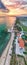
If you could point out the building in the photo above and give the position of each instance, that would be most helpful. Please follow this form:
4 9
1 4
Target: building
19 45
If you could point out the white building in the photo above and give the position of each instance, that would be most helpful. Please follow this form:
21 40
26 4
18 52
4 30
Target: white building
18 49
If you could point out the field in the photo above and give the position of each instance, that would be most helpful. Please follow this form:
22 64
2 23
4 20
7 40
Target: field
19 24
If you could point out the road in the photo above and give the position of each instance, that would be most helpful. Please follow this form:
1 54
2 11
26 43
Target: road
7 62
5 56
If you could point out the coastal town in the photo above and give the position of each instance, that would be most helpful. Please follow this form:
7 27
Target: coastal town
13 32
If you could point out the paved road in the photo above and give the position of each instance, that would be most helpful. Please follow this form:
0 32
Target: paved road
4 60
7 62
4 55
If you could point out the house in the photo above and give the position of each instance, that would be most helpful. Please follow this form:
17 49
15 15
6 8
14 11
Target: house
21 42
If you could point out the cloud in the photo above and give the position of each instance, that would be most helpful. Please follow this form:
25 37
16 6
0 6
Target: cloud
20 0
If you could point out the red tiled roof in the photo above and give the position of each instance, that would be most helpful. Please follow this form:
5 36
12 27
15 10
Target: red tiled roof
21 42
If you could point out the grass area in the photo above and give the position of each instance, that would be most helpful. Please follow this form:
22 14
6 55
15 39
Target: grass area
19 28
20 60
17 25
25 63
13 60
25 52
24 28
13 57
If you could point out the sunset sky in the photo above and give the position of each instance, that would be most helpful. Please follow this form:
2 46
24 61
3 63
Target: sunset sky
15 9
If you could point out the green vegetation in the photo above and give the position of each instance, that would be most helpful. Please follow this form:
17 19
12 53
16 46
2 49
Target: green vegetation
13 57
23 58
24 28
25 52
26 44
13 60
19 25
24 37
